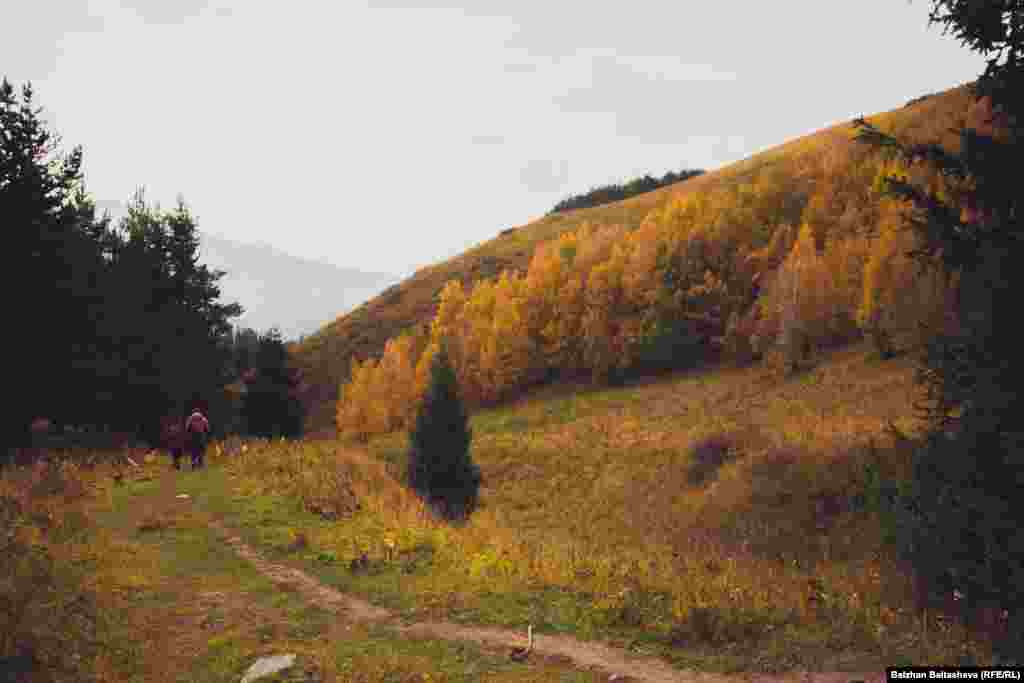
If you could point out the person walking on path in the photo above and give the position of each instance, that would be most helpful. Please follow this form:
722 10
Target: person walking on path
174 438
198 429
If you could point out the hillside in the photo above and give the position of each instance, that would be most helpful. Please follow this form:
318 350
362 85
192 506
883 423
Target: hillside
804 165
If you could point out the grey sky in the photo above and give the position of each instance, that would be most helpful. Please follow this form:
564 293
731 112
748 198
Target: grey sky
384 135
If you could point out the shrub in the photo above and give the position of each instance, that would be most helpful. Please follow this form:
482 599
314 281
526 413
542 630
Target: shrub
668 344
719 626
440 469
708 455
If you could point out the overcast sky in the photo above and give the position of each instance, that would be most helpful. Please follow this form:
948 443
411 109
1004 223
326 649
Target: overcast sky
387 135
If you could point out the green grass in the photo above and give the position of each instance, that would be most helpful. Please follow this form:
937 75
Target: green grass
268 523
188 558
449 660
236 613
592 524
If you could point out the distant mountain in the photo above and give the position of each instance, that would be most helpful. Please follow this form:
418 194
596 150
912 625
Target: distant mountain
296 295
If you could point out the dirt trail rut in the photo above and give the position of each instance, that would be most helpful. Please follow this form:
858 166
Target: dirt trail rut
588 655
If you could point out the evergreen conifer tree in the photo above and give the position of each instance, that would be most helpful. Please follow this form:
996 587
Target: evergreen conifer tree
53 265
270 405
959 520
440 470
116 324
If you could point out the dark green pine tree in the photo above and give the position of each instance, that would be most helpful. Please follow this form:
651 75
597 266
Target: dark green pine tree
270 406
114 326
960 520
52 267
440 468
167 329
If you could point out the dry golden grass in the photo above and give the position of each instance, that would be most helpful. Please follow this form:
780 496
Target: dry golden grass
56 602
161 597
768 557
773 548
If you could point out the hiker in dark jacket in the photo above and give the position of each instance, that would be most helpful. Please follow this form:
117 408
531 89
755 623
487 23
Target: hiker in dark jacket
173 431
198 429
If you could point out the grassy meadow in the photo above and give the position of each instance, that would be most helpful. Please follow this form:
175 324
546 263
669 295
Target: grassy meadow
108 576
726 520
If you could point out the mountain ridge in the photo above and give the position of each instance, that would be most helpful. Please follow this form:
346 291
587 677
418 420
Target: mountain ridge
295 294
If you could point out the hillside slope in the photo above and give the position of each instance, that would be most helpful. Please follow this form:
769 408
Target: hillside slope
725 520
325 356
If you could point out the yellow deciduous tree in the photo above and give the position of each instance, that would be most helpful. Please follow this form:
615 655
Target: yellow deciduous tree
353 418
563 335
509 357
555 303
841 282
547 275
447 324
812 299
604 348
898 296
796 299
423 368
452 300
395 382
471 337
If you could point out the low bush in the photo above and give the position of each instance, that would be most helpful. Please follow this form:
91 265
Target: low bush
720 626
708 456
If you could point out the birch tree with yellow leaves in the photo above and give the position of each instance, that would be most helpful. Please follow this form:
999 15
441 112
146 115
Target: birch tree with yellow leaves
353 418
605 349
508 359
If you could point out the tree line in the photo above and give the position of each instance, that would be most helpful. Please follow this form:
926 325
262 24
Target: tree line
111 325
606 194
760 269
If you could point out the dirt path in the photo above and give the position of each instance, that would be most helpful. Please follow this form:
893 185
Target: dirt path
618 664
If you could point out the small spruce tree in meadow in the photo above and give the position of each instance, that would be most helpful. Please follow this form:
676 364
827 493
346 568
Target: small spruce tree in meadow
440 469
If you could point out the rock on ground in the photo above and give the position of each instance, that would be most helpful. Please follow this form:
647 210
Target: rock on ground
264 666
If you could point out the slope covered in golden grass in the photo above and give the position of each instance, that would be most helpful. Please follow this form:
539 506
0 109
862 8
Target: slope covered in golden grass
724 519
